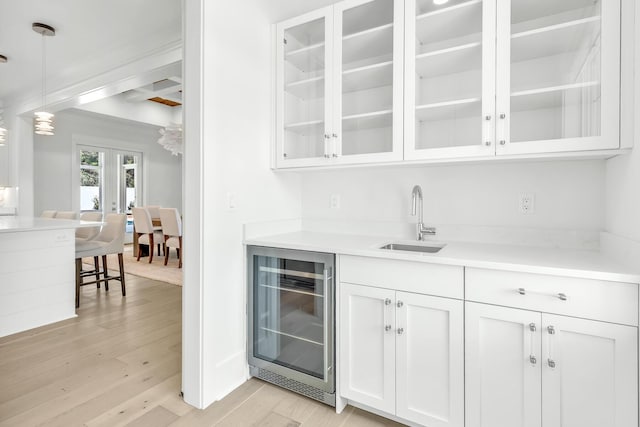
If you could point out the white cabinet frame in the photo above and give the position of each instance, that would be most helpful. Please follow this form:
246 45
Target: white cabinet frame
609 137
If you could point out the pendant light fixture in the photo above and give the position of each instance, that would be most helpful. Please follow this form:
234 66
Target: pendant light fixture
3 130
43 122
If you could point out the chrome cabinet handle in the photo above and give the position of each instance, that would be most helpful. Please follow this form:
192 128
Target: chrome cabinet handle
550 362
387 328
399 304
561 296
400 331
532 358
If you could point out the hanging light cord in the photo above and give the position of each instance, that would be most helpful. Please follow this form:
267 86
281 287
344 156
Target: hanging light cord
44 75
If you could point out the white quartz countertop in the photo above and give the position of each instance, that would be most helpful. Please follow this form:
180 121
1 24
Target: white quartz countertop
564 262
10 224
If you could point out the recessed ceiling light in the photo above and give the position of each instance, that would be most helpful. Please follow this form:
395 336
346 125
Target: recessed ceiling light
439 2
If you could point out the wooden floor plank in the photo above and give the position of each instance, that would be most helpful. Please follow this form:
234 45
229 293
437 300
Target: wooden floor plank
119 364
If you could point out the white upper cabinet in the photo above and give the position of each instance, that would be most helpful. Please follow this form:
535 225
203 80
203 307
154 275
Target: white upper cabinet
558 74
339 85
511 77
449 79
370 81
304 87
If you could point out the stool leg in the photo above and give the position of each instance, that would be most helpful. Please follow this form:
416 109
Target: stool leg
105 272
96 266
122 284
151 245
78 280
139 249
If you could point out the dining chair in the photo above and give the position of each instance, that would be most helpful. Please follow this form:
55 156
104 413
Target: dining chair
172 230
48 214
110 240
66 215
145 232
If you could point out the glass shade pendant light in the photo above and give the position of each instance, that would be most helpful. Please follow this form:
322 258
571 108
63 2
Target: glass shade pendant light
43 122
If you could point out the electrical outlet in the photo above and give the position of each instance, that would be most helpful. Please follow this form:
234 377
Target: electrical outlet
527 203
335 201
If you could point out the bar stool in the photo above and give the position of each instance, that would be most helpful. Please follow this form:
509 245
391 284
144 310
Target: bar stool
110 240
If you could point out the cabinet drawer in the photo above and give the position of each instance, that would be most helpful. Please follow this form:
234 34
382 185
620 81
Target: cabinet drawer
418 277
587 298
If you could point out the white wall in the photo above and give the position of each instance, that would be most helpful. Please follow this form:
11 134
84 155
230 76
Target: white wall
53 159
623 172
232 135
568 194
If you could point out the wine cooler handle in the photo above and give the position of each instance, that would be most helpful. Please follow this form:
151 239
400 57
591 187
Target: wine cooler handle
327 301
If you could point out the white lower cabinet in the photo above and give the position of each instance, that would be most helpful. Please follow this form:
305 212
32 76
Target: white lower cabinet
528 369
402 353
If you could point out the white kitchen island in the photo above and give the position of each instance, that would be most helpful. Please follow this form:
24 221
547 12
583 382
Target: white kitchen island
37 271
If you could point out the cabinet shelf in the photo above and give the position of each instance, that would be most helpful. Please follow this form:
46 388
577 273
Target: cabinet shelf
548 97
306 128
308 58
372 43
452 60
368 77
372 120
449 22
468 107
307 89
553 39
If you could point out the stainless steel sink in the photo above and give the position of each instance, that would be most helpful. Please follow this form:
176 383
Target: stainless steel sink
413 248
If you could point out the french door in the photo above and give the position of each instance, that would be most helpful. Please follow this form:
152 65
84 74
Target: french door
110 180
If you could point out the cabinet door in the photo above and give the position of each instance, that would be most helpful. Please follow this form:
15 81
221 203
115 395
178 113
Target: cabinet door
367 342
589 373
449 78
502 366
368 81
558 75
430 360
303 87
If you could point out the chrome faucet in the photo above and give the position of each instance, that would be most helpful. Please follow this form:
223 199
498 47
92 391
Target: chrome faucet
416 196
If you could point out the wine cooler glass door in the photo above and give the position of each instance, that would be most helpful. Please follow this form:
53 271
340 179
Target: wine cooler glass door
293 315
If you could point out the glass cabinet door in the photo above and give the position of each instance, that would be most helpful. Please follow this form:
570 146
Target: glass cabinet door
449 78
368 80
558 74
304 51
292 314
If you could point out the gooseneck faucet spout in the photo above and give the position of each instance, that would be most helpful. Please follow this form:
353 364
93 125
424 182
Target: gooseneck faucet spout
416 208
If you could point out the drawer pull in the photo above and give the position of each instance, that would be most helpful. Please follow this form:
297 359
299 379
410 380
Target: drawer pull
561 296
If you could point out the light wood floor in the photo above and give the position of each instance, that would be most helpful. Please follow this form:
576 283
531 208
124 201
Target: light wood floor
118 364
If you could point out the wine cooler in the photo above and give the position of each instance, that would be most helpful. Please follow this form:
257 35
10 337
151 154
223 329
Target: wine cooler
292 320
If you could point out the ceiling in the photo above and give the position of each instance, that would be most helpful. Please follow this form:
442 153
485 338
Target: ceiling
92 37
